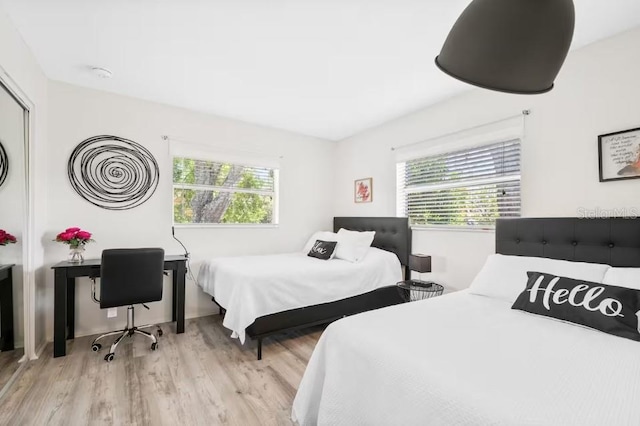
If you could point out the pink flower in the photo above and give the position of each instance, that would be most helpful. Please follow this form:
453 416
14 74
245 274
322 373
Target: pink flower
6 238
74 237
83 235
65 236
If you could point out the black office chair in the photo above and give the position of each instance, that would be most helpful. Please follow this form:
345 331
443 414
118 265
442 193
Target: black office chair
129 277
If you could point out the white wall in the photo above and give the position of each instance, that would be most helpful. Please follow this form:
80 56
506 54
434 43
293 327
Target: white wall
596 92
17 64
77 113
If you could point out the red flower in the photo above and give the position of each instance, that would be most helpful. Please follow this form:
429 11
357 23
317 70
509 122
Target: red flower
83 235
74 237
65 236
6 238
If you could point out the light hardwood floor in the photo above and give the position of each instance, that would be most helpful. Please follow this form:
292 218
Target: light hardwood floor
201 377
9 364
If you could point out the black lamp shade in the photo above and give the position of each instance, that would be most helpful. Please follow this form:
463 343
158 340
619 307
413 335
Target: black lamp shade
515 46
420 263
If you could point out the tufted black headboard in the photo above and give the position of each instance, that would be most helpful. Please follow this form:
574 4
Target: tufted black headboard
614 241
392 233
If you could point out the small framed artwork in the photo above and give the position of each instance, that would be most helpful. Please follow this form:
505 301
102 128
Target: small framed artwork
363 190
619 155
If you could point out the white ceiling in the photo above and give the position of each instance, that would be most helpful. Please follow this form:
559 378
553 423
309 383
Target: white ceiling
328 68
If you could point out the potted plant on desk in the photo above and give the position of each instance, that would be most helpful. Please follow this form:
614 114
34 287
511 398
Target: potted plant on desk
76 238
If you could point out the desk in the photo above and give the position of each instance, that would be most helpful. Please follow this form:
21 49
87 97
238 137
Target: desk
64 296
6 307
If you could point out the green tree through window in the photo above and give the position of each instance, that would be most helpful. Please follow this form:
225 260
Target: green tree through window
213 192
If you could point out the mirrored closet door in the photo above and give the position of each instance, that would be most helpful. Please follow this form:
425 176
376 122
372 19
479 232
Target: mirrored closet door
13 188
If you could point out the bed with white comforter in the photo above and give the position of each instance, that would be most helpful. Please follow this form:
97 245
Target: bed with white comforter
468 359
249 287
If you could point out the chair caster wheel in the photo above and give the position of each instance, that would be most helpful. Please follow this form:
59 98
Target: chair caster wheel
154 346
159 332
96 347
109 357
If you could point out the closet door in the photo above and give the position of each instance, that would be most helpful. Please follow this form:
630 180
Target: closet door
13 201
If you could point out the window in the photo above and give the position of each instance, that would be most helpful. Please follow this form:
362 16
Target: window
469 187
209 192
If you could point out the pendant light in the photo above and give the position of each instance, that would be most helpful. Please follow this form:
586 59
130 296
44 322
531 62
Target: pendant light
514 46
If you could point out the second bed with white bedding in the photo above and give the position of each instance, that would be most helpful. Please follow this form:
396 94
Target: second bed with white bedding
467 359
249 287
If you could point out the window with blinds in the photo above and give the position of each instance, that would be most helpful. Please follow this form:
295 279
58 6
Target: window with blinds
209 192
466 188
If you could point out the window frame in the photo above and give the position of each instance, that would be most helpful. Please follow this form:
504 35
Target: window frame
439 150
275 217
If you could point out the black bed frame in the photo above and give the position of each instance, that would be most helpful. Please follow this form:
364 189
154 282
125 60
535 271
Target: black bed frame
613 241
392 234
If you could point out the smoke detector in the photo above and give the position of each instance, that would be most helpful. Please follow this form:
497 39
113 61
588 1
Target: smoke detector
101 72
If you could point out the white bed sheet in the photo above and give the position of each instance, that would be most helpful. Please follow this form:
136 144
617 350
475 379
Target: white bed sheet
249 287
464 359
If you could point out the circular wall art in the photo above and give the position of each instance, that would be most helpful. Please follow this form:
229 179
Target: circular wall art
113 173
4 164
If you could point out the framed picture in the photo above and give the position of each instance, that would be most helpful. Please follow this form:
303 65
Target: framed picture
619 155
363 190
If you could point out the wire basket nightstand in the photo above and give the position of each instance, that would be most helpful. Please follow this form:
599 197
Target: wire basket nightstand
412 290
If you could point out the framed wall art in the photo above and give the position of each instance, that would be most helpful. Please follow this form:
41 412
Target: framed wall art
619 155
363 190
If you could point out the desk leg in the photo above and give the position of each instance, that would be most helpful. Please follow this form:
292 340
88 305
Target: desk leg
60 313
6 313
71 308
174 299
178 295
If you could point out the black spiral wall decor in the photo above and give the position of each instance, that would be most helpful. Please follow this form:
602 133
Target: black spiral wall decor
113 173
4 164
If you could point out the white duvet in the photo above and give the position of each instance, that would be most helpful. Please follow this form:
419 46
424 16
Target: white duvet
249 287
464 359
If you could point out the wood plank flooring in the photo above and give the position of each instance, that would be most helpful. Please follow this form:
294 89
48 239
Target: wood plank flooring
201 377
9 364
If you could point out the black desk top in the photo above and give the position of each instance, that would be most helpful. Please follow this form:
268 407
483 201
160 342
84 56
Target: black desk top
97 262
3 267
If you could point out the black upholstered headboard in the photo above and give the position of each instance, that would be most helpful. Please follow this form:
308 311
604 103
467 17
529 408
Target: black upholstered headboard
392 233
614 241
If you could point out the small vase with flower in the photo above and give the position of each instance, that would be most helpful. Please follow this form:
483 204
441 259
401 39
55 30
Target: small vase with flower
76 239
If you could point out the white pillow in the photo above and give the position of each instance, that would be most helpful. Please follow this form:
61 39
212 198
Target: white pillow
505 277
353 245
623 277
320 235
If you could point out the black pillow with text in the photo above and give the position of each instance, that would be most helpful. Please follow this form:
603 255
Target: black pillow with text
322 249
607 308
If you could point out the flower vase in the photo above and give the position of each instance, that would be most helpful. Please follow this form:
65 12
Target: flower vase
76 254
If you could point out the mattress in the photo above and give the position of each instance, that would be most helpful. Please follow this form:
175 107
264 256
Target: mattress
249 287
465 359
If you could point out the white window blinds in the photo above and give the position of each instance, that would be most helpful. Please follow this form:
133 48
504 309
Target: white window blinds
467 187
